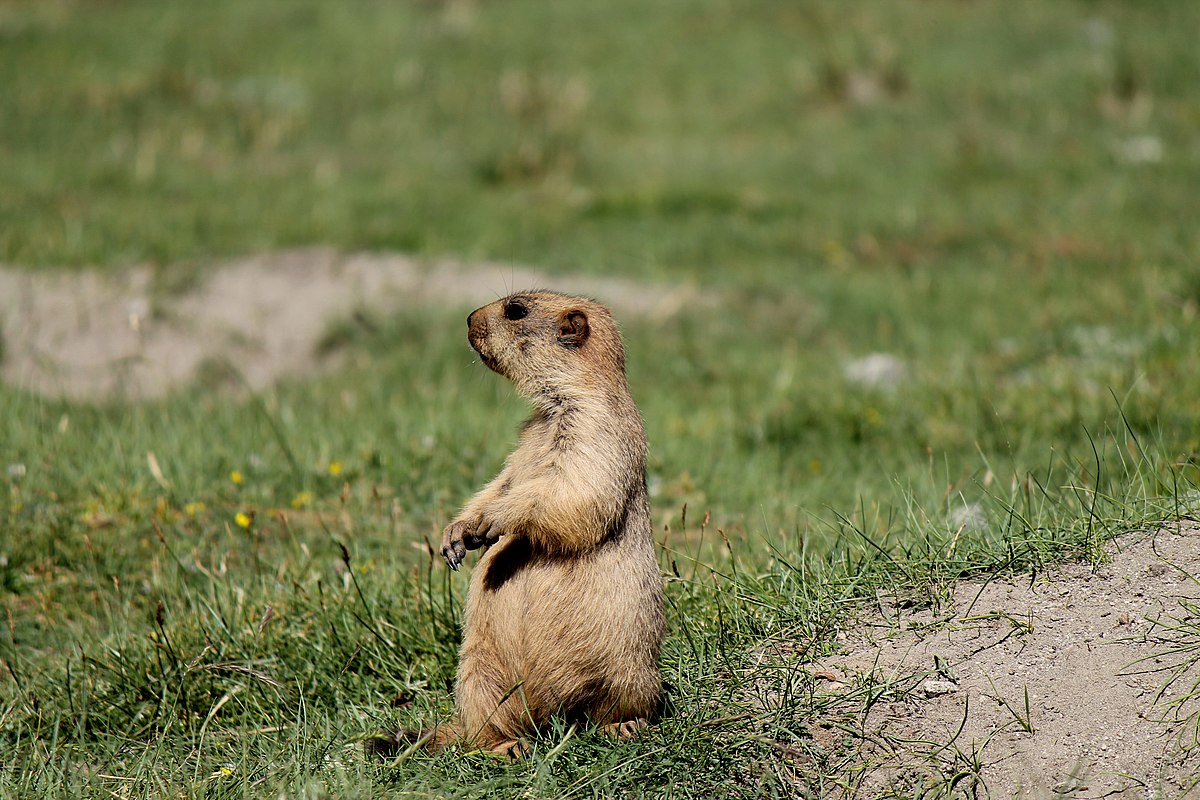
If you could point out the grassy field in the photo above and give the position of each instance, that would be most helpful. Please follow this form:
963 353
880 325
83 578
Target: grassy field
213 595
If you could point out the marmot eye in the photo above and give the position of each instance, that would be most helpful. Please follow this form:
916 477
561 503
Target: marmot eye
515 311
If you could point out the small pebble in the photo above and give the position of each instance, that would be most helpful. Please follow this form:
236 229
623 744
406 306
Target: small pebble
934 687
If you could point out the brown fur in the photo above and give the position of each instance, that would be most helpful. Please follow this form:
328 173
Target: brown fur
564 613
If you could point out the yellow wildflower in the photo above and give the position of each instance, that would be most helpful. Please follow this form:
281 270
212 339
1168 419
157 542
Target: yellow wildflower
335 468
237 477
835 254
192 509
243 519
302 500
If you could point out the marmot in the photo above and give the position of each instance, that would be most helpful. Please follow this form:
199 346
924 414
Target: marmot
564 615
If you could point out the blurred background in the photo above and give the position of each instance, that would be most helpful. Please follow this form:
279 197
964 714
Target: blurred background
734 143
898 280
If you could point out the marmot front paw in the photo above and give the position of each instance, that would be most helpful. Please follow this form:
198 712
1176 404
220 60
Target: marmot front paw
463 535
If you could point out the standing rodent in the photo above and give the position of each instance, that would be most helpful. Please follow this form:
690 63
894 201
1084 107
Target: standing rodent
564 616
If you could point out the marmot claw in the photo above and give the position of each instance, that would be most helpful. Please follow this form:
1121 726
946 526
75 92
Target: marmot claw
455 542
461 536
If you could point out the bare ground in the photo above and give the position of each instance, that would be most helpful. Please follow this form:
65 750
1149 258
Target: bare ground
1081 682
88 335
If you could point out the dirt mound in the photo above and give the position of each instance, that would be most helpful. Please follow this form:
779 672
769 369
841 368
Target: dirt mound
1081 682
88 335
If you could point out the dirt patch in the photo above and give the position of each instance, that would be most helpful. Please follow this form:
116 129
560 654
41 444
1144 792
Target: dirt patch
1081 682
88 335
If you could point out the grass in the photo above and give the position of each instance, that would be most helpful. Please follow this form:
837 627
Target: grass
995 193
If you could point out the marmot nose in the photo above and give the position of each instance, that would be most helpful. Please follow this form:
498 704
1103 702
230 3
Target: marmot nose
476 324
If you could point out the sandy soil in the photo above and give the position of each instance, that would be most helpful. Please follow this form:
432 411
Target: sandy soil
1079 683
88 335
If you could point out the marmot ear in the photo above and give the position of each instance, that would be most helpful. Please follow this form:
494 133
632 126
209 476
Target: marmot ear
573 329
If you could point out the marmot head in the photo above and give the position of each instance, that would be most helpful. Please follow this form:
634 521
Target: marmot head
553 347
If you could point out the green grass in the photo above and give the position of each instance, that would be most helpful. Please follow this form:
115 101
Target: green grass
974 212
